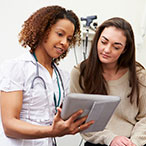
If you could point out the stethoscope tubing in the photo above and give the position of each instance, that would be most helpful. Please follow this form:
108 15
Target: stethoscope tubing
45 87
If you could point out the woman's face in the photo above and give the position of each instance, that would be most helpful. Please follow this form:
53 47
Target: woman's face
110 46
59 38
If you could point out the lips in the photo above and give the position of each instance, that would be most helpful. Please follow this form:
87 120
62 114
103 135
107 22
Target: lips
59 50
105 56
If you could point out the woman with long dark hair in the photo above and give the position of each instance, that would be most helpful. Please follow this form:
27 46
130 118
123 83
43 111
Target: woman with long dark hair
111 69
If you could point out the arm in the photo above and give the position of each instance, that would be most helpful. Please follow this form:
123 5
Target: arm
138 134
11 103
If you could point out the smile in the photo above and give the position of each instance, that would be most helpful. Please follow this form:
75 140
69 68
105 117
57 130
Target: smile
60 50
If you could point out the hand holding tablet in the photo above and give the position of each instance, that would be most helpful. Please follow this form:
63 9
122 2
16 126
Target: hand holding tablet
98 108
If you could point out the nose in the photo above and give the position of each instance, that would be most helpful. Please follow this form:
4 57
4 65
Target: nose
64 41
107 48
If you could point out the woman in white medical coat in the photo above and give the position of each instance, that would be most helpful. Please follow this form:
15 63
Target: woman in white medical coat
33 87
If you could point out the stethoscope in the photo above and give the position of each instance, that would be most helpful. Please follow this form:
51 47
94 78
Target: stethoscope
58 75
56 103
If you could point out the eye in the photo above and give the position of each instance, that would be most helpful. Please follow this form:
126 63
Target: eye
103 42
116 47
59 34
69 40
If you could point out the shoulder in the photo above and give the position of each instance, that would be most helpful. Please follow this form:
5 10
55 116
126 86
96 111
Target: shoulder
17 61
15 65
11 66
11 75
75 71
74 82
13 72
141 75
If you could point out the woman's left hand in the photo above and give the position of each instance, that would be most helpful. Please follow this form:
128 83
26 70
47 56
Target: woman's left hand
121 141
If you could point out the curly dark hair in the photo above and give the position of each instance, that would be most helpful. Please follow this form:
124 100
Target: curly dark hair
38 26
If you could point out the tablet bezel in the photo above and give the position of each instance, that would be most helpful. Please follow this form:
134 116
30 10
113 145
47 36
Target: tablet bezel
76 101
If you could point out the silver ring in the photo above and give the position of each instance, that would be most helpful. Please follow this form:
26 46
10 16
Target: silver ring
79 128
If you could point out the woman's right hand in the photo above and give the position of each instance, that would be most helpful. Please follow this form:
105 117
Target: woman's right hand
72 125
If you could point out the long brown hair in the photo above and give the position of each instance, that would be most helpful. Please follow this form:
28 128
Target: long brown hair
38 25
91 79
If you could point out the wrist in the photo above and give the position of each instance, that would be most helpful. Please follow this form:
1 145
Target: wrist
109 139
47 131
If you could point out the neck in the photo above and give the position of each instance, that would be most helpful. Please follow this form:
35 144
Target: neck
110 68
111 72
44 59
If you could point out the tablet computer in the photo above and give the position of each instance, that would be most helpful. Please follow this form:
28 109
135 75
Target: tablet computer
98 108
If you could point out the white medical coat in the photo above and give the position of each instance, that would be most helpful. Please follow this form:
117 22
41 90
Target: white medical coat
17 74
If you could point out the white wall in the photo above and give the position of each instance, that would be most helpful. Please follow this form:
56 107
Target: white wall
14 12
